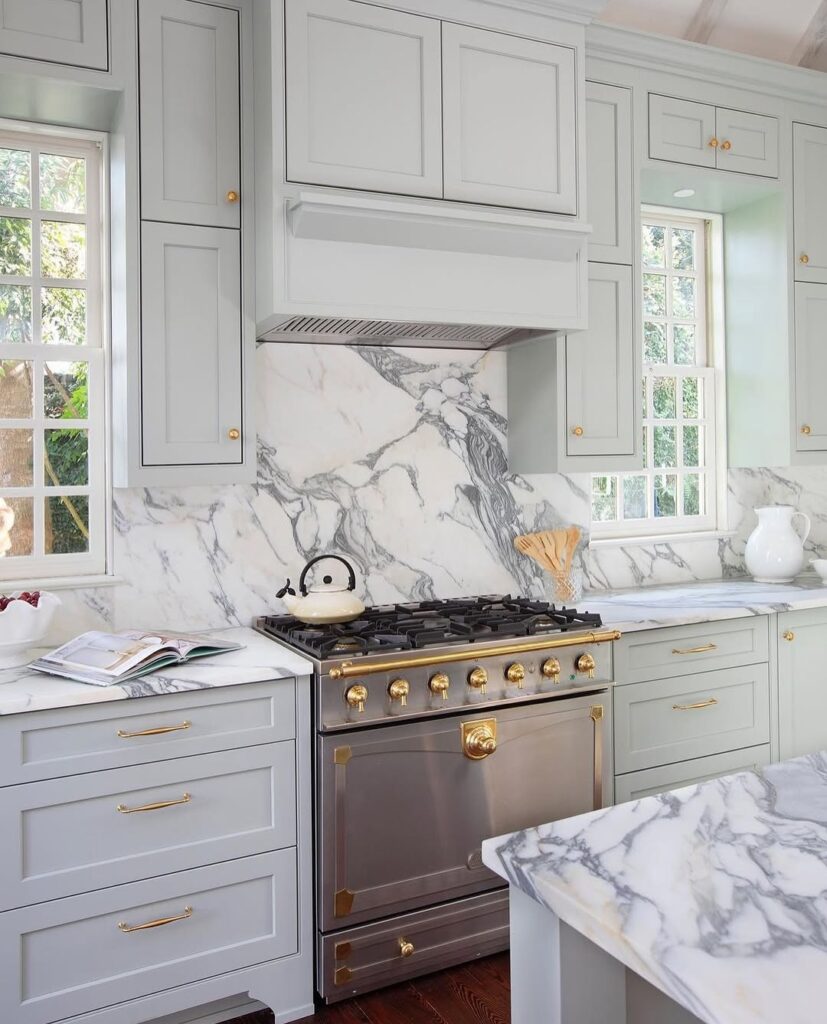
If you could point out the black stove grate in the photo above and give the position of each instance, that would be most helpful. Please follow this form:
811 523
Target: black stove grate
405 627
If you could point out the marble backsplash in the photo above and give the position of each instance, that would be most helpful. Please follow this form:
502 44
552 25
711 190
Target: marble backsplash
396 458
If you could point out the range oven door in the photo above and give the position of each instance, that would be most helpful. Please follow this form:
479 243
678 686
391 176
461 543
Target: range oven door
403 808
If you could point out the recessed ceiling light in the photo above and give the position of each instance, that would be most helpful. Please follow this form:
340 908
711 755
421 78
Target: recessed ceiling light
683 193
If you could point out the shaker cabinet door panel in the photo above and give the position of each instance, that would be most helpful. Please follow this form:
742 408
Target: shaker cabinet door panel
810 367
189 84
191 345
363 97
72 32
810 202
510 120
681 131
747 142
802 682
601 376
609 166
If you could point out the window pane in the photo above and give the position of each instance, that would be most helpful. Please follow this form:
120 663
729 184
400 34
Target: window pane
604 499
634 497
66 457
654 250
15 313
63 316
67 524
683 340
15 246
654 295
663 397
65 390
16 382
654 343
63 249
691 446
666 489
15 178
16 527
645 447
62 183
16 458
683 248
691 495
665 445
691 397
683 297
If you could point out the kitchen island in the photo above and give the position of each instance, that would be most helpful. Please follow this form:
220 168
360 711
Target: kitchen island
704 904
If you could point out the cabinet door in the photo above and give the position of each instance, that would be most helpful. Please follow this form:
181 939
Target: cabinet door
189 84
609 171
681 131
810 202
61 31
600 369
191 345
510 120
810 366
363 97
802 682
747 142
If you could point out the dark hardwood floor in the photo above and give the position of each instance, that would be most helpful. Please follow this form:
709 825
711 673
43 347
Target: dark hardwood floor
474 993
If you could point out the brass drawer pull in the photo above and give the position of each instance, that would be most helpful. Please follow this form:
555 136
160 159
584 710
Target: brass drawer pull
127 928
695 707
159 731
406 948
695 650
123 809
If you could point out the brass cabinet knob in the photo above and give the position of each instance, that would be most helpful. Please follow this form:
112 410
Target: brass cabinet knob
713 143
586 663
406 948
726 145
551 669
788 635
477 678
356 696
804 258
577 431
439 684
233 196
234 433
515 674
479 739
807 429
399 690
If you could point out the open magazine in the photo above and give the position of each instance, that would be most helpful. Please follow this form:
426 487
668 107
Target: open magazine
104 659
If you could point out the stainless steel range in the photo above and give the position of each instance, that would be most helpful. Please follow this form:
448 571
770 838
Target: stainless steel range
438 725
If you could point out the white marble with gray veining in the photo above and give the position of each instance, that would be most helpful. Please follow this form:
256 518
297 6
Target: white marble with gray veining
715 893
259 660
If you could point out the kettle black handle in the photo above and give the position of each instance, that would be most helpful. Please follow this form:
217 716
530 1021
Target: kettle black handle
351 575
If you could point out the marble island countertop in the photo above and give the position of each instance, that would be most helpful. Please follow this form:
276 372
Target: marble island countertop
716 893
678 605
259 660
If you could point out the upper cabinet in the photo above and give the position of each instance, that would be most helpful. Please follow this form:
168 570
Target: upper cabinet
509 120
189 102
72 32
810 367
610 191
810 202
686 132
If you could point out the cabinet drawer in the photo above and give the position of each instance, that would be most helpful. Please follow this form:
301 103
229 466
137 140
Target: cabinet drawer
73 955
665 653
636 785
73 835
68 741
669 720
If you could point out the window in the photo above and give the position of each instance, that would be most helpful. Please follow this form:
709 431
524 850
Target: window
53 486
677 490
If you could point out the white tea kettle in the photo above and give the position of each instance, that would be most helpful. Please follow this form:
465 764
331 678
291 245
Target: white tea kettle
326 601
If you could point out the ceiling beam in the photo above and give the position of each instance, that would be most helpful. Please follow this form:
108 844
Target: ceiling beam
811 50
706 18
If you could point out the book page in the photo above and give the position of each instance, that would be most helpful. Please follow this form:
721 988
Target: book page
113 654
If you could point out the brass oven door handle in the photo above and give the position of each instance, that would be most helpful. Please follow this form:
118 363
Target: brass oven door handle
695 650
695 707
123 809
159 923
158 731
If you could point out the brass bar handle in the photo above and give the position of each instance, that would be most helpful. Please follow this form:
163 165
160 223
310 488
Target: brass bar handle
158 731
696 707
703 649
160 805
159 923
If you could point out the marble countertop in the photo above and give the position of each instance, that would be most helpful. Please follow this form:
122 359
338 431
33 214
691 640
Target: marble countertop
678 605
259 660
715 893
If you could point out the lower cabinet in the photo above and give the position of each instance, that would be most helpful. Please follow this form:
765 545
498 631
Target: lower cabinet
636 785
802 681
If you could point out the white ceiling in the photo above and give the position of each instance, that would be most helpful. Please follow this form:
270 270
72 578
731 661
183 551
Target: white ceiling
792 31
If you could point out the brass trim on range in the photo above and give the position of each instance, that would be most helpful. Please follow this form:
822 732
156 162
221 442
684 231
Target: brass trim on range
342 950
708 703
342 902
479 738
596 712
159 806
158 731
159 923
695 650
348 669
342 975
341 755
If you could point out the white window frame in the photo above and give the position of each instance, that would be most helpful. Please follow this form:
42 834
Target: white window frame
40 568
709 339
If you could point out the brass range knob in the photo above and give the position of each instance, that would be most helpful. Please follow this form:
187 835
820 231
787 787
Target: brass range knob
356 696
551 669
233 196
399 690
515 674
807 429
479 739
726 145
439 683
477 678
804 258
586 663
406 948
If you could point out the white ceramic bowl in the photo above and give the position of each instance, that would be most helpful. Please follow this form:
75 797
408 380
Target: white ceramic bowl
22 626
820 566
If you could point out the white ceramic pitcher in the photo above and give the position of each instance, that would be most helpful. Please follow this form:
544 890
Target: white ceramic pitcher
775 550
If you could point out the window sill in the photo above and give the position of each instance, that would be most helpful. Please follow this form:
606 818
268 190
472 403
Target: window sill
662 538
61 583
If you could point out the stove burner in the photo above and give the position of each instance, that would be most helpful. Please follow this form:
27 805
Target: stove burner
403 627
